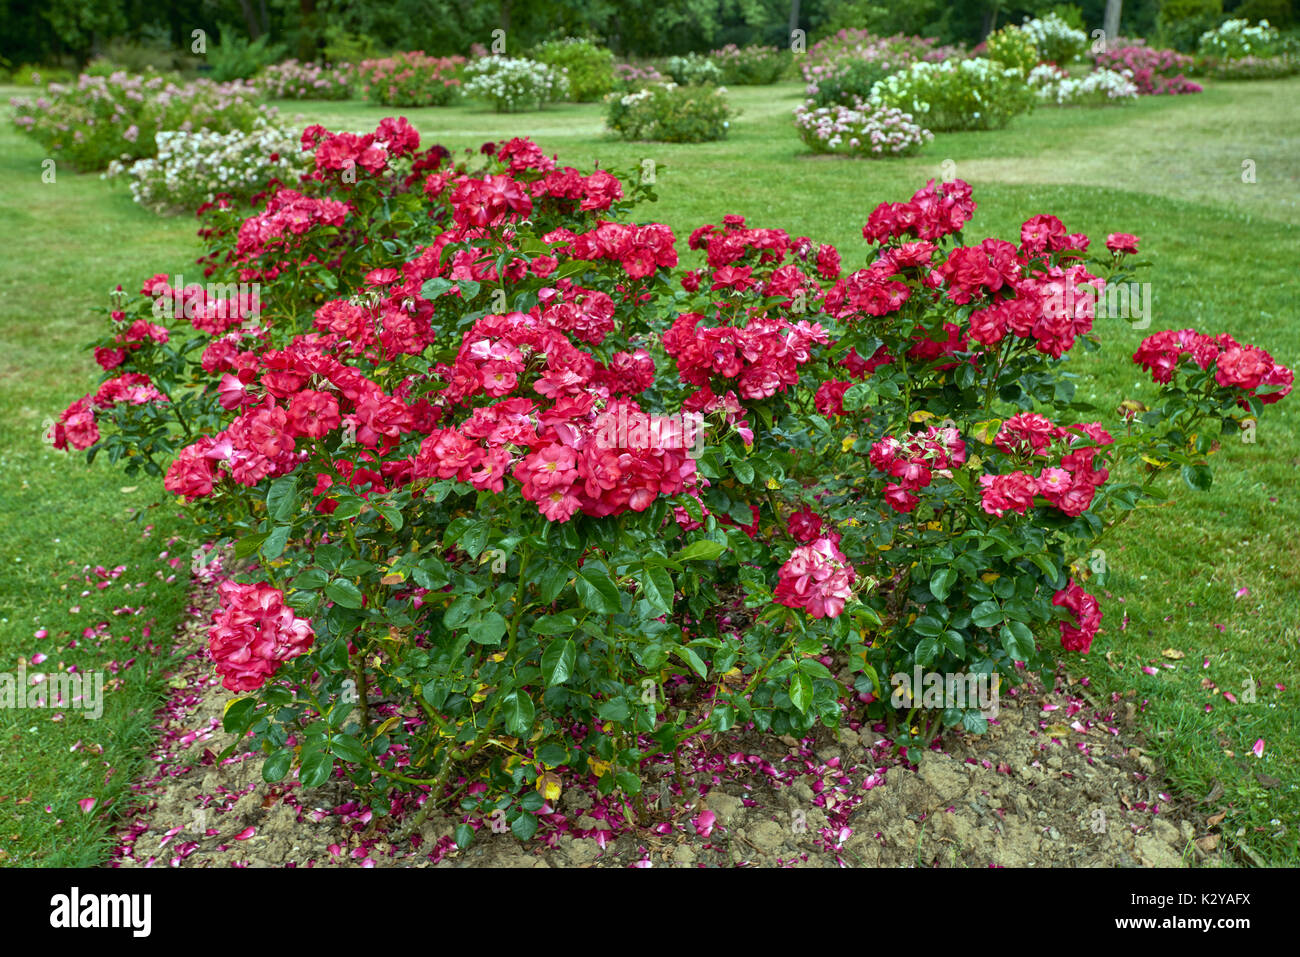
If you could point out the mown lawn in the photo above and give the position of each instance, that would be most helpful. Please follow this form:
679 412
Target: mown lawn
1205 589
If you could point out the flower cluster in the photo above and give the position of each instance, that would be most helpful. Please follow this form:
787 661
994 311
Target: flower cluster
1070 485
1236 366
102 118
751 65
294 80
862 130
411 79
974 94
1087 617
514 84
195 168
253 633
1236 38
1153 72
668 113
1054 86
912 461
1056 41
817 578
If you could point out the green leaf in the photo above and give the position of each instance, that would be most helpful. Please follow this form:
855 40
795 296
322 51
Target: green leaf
348 748
597 591
689 656
704 550
657 587
801 691
558 661
553 581
275 767
518 711
343 592
941 582
488 629
615 709
927 626
743 470
926 650
273 547
468 288
310 579
393 514
464 836
238 714
282 498
561 624
1198 477
986 614
433 288
316 768
524 826
553 755
1017 641
629 781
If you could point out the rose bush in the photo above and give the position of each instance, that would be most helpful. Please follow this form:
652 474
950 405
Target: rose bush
1154 72
104 118
525 498
588 66
411 79
751 65
292 80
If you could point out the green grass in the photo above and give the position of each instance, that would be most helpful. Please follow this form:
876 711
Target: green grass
1166 168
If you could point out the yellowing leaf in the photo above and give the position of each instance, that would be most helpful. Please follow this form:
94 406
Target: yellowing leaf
987 430
848 443
773 484
392 578
599 768
920 415
387 724
549 786
990 577
1173 653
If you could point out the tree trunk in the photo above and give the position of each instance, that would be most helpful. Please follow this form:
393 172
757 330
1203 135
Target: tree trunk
1111 23
794 18
250 19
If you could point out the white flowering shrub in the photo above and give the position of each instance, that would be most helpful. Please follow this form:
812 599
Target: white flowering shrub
515 84
668 113
861 129
1237 39
1054 86
975 94
193 168
1056 40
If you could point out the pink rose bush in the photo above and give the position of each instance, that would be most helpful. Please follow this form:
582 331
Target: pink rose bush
495 451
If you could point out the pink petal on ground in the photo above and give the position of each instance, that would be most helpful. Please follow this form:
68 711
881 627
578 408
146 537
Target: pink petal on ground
86 804
245 834
1259 748
704 823
1242 592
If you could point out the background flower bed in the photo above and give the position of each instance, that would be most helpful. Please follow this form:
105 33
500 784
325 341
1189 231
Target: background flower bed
668 113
